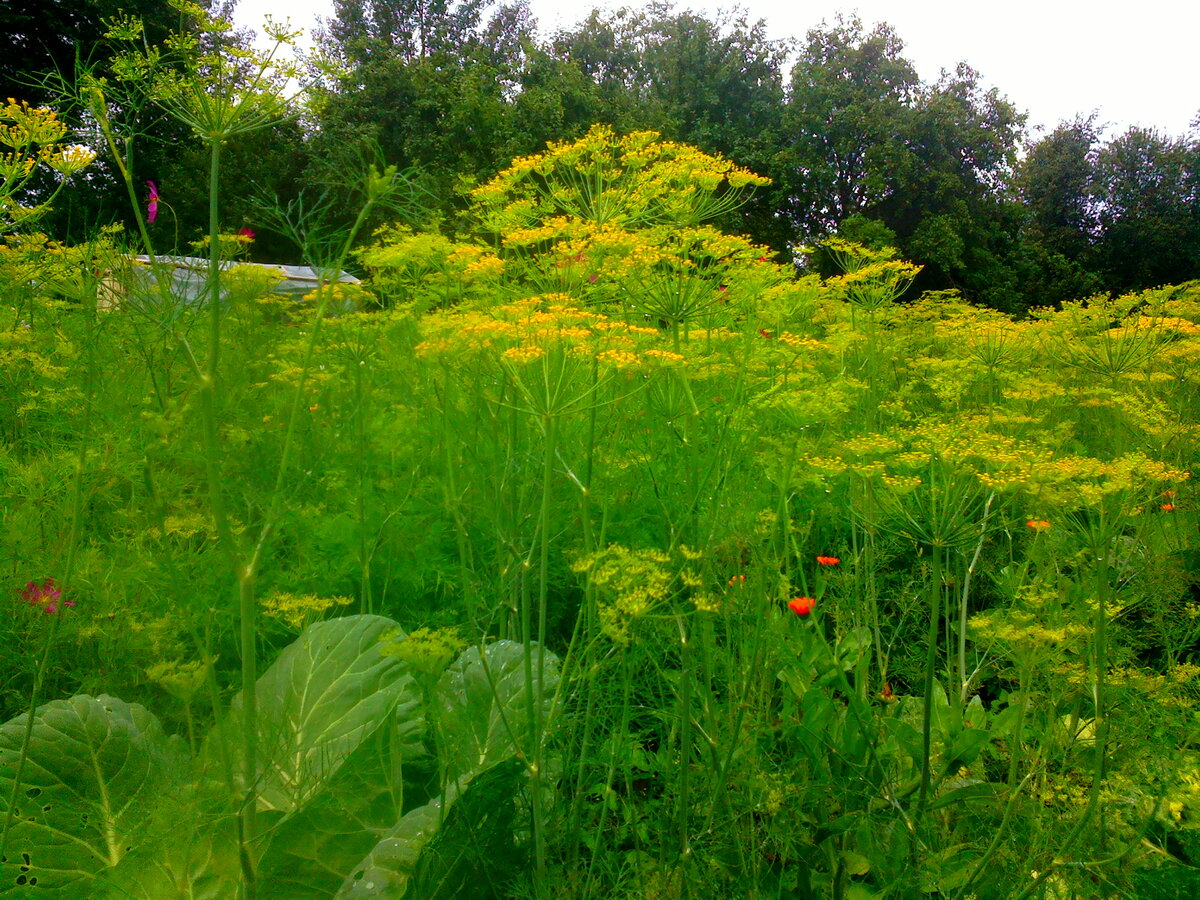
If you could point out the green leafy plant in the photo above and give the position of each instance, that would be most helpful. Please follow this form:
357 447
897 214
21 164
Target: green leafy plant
104 787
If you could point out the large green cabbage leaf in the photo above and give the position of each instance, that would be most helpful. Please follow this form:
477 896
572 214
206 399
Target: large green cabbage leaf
325 694
98 774
482 709
461 844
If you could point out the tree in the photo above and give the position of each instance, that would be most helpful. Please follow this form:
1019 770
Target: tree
950 207
427 82
1055 187
364 30
42 36
716 84
849 107
866 137
1148 209
1054 183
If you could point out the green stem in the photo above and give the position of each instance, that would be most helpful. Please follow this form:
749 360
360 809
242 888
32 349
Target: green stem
27 738
935 608
244 573
535 782
618 740
365 599
685 740
962 613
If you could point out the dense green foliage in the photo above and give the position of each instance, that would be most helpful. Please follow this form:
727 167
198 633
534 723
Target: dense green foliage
850 134
850 131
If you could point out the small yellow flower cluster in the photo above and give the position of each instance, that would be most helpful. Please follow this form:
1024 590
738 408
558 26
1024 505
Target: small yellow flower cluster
489 267
1075 481
1035 390
618 358
1169 690
1025 630
807 344
299 610
70 160
523 354
182 680
546 326
428 651
22 125
825 465
635 180
871 444
423 270
553 229
667 357
637 583
34 137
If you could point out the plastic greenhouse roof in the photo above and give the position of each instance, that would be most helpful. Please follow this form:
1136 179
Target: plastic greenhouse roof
189 276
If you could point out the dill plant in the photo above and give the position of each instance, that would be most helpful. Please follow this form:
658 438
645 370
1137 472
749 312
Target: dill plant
633 440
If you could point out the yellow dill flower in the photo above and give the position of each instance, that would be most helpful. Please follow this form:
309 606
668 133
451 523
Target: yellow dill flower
428 651
299 610
619 358
664 356
524 354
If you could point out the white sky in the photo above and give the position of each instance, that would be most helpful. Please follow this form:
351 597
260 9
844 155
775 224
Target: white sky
1136 63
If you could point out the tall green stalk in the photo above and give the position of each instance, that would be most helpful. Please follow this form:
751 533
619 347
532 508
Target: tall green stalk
535 698
931 637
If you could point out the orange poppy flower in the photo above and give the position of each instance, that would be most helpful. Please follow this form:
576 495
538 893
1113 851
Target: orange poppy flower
802 606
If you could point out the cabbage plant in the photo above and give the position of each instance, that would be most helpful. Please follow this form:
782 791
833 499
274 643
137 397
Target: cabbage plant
110 805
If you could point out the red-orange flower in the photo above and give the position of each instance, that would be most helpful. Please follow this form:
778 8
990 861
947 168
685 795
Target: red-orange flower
1037 524
737 579
802 606
827 560
1168 507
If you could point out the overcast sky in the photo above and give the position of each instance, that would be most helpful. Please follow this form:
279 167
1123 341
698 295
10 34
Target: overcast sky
1052 58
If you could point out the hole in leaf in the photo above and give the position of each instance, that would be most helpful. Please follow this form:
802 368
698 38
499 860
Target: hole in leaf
46 808
21 879
32 880
28 859
33 792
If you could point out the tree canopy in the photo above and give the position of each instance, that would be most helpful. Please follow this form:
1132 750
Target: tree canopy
852 138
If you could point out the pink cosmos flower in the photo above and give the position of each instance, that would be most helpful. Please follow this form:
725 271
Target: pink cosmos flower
46 595
152 206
